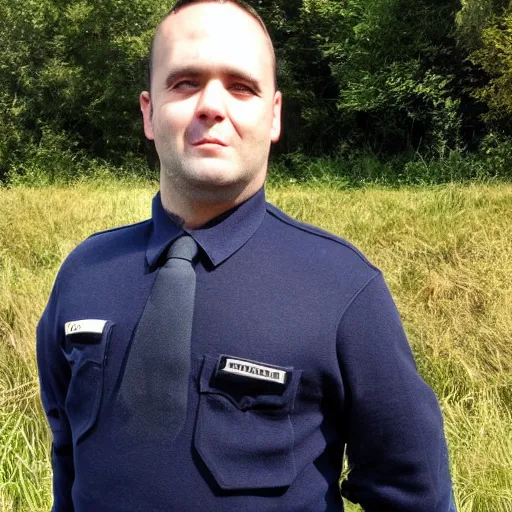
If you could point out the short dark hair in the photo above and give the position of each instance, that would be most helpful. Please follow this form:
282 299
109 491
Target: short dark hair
182 3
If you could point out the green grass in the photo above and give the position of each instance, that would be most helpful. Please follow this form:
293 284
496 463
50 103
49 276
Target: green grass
446 253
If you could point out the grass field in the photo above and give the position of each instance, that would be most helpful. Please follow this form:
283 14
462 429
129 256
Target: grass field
446 253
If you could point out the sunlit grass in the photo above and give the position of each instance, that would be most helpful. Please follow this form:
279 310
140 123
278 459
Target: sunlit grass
446 253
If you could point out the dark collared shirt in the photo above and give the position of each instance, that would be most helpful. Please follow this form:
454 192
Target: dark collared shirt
269 290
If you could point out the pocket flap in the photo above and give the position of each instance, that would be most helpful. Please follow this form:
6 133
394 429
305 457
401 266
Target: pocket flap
243 430
245 387
86 352
86 341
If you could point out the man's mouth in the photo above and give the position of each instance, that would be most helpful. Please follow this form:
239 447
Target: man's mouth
209 140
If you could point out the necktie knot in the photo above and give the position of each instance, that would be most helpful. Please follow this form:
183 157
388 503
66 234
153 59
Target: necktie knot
184 248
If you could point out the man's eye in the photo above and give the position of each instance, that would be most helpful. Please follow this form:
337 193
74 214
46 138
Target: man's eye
242 88
185 85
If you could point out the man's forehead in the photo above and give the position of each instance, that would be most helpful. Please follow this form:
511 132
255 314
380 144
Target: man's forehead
224 28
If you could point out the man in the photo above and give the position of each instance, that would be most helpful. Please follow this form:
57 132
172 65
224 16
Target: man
294 350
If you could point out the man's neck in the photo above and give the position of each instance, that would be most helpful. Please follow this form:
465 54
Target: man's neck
195 212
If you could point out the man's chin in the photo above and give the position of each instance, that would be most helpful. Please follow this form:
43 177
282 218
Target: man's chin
213 180
214 175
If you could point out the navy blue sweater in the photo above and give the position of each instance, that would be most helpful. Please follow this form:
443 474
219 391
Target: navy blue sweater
276 293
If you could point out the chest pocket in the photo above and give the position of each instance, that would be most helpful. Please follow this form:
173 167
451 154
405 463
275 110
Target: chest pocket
243 430
86 354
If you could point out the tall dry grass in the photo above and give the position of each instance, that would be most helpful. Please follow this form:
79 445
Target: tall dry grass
447 256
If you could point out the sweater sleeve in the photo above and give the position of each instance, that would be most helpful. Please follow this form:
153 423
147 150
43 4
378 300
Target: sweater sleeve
54 376
396 448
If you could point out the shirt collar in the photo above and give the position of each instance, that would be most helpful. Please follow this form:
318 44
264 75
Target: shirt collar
219 238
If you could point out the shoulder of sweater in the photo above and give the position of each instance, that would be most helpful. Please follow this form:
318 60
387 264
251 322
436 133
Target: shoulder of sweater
316 234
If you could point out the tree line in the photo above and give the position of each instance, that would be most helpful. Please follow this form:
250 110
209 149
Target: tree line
405 81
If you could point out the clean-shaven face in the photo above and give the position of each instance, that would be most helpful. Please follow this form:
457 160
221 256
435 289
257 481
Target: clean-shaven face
213 110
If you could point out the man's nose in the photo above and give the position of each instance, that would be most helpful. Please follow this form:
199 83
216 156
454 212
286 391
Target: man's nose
211 106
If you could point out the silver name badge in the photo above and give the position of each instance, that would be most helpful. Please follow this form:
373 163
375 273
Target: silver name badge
88 326
252 370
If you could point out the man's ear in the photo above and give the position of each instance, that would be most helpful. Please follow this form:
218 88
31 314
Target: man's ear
275 131
146 108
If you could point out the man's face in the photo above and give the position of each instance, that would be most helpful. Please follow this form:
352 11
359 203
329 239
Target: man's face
213 110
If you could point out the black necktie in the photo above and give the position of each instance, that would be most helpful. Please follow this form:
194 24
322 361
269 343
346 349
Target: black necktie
154 388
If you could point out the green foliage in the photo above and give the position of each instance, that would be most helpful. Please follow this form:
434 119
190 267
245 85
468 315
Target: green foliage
70 75
495 58
309 90
392 61
54 158
497 152
472 19
380 81
492 162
